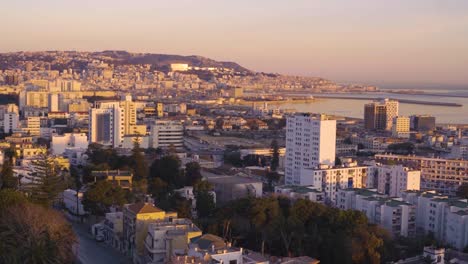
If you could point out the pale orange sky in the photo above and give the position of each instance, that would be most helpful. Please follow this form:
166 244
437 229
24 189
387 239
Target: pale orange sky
368 41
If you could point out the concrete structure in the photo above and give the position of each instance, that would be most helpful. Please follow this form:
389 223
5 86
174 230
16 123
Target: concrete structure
166 133
329 179
33 126
294 192
166 238
379 115
10 122
136 220
120 178
401 127
442 175
232 187
68 140
310 141
446 218
423 122
105 126
395 215
393 180
179 67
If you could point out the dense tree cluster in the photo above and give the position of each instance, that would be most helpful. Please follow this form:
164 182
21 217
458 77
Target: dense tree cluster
32 233
280 227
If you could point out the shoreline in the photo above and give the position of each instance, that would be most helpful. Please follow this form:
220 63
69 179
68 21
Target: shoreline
310 100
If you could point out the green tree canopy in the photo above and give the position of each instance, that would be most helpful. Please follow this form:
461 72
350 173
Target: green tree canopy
101 196
192 173
7 178
48 183
138 163
275 158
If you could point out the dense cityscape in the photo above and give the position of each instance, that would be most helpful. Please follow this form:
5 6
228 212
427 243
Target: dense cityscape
175 163
234 132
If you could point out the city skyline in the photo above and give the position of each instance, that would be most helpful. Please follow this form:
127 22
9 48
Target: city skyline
422 43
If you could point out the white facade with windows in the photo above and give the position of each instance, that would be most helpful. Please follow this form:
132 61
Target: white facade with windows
310 141
166 133
68 140
393 180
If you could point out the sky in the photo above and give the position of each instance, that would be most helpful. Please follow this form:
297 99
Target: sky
383 42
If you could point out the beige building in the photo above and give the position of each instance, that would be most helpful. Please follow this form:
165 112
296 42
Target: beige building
401 127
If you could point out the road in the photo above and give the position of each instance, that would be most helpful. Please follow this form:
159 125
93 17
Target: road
92 252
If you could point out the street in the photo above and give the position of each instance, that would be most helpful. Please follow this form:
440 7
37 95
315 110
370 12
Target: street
91 251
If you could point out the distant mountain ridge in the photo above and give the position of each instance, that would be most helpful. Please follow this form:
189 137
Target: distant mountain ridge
165 59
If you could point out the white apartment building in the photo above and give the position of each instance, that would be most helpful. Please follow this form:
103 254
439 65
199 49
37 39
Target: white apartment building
401 127
106 126
330 180
10 122
310 141
128 114
76 156
446 218
393 180
165 133
442 175
395 215
68 140
295 192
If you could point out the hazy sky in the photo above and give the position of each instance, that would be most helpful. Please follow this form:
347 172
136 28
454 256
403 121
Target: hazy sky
369 41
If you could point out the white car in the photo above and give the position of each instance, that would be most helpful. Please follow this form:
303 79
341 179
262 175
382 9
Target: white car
99 238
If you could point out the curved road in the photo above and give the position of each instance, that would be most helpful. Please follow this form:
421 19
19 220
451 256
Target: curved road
93 252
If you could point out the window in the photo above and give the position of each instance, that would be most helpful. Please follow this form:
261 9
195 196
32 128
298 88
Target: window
233 261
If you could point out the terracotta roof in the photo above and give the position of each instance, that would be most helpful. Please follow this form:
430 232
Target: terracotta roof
143 208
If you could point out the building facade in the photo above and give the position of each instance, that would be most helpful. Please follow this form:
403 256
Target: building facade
310 141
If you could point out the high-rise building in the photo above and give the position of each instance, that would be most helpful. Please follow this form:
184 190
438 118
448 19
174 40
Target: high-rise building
53 102
33 125
10 122
422 122
310 141
401 127
105 126
128 111
379 115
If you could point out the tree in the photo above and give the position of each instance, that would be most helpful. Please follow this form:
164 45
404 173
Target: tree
48 181
10 197
192 173
462 191
275 158
138 163
8 180
140 189
272 177
168 169
33 234
205 203
101 196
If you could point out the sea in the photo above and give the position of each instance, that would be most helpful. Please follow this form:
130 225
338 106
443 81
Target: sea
355 108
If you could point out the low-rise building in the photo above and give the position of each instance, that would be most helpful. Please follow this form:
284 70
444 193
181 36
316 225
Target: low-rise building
300 192
169 237
120 178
